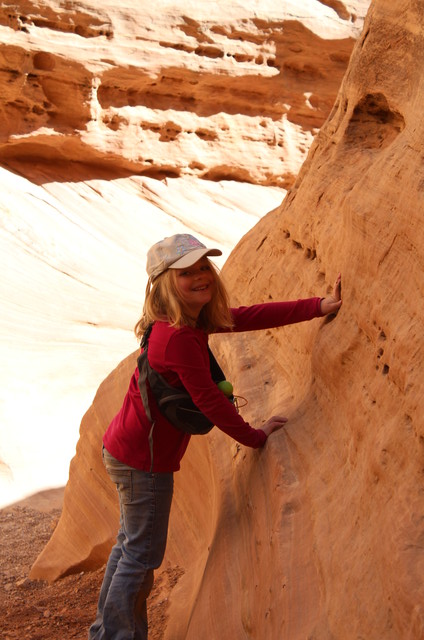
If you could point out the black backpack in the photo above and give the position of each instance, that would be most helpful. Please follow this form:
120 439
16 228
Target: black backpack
174 404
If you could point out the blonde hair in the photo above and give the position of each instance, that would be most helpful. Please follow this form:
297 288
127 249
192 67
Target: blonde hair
163 302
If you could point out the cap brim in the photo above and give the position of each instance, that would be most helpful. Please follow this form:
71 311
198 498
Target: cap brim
193 256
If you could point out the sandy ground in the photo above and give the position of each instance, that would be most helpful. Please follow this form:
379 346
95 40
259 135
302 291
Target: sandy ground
36 610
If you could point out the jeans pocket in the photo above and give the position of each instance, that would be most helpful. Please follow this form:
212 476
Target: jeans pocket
124 485
121 475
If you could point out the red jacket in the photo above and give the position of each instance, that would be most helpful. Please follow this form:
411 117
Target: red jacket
181 356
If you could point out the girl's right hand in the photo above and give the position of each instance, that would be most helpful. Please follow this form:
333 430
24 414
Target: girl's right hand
332 303
273 424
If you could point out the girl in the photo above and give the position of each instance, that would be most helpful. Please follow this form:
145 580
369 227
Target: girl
186 301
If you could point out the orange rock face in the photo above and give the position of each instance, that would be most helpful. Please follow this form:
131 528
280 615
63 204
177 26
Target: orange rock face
320 533
350 516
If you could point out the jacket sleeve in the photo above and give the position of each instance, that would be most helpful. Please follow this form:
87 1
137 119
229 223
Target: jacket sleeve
187 356
275 314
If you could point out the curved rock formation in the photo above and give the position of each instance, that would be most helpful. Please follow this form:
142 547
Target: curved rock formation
353 387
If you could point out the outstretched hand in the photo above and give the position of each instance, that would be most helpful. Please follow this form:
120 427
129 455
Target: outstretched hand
331 304
273 424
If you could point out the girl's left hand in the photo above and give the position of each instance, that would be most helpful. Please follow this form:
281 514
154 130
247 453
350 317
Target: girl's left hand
332 303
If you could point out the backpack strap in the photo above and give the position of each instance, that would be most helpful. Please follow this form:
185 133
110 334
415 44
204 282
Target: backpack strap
146 335
216 371
145 371
142 364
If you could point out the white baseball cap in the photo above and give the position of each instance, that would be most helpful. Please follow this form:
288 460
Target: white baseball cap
176 252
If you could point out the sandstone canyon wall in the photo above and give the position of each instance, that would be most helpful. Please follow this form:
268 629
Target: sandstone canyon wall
319 535
346 476
215 90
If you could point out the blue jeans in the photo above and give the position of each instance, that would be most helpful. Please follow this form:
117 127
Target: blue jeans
145 502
